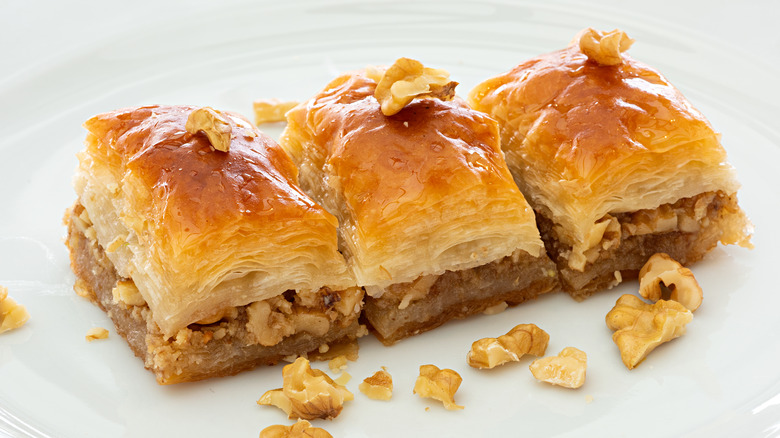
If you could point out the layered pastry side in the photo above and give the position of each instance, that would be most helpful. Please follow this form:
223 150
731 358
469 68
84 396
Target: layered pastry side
430 219
191 234
616 162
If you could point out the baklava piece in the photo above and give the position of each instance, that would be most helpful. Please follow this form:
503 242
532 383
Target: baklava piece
617 164
190 232
430 220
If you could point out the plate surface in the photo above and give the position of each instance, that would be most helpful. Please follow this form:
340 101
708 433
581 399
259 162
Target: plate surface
720 379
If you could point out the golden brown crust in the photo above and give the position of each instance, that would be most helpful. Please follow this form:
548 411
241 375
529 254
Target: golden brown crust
181 172
183 219
584 140
408 188
592 115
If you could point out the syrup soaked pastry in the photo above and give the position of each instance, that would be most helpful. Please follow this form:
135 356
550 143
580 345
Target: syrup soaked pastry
430 219
190 232
617 164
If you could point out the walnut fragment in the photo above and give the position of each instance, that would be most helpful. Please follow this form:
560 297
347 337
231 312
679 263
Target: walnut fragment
605 48
96 333
12 314
522 339
213 124
641 327
661 271
406 80
379 386
438 384
301 429
567 369
307 393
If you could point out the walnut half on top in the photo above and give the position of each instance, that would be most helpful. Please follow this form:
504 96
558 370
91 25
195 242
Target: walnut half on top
406 80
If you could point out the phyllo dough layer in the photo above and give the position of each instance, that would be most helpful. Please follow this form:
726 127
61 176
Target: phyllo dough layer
431 221
587 141
199 230
417 193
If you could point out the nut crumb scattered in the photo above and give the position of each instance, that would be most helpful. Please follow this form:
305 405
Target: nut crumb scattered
438 384
338 363
301 429
12 314
350 350
567 369
588 398
96 333
378 386
83 290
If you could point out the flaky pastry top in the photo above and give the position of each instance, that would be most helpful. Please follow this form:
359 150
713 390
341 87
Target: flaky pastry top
200 229
584 139
418 192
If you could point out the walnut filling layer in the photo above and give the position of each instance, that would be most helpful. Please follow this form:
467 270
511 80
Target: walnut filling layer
237 339
686 230
406 309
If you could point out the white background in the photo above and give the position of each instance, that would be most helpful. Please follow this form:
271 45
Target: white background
62 62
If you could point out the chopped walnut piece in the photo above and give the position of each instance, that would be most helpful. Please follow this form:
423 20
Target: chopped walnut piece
408 79
343 379
271 110
83 290
212 123
338 363
492 352
12 315
307 393
419 289
226 313
567 369
379 386
641 327
268 320
96 333
301 429
350 350
439 385
663 271
604 48
126 292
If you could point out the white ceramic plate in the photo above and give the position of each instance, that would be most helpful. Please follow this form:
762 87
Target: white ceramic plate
720 379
